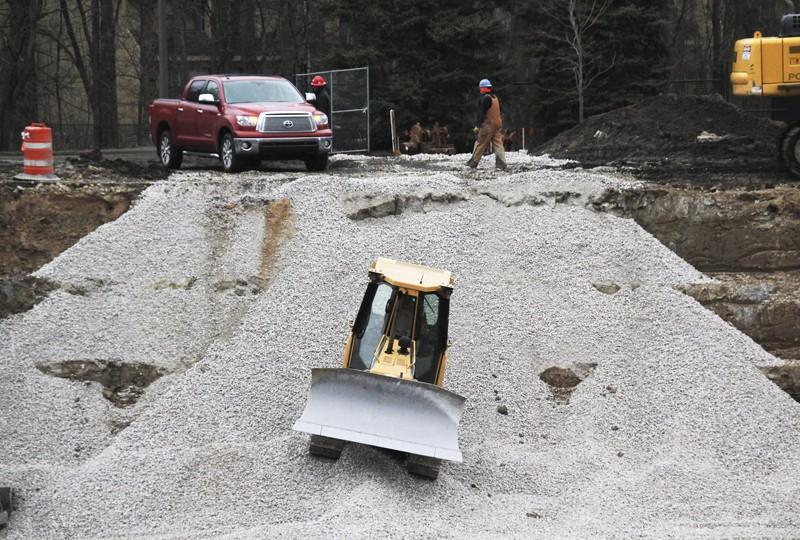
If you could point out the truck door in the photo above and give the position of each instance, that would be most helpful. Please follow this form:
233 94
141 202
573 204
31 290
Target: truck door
186 117
206 118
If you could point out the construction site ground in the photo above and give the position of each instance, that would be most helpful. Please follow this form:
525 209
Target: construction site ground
627 346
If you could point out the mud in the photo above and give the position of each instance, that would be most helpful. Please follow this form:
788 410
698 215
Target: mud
38 223
739 230
787 377
563 381
19 294
122 383
278 228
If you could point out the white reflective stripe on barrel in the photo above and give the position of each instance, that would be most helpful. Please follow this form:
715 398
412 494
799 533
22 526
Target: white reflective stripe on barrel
38 162
37 145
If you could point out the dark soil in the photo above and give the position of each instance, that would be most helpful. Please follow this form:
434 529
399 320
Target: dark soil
123 383
658 139
38 223
19 294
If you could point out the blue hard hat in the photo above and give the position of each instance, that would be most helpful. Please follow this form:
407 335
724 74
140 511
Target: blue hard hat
485 83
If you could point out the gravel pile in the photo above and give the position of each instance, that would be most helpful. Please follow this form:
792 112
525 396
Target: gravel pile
673 432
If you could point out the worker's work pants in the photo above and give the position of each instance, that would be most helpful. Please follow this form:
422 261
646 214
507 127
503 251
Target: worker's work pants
490 135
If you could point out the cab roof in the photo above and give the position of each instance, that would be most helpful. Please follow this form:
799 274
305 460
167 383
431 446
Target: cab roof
412 276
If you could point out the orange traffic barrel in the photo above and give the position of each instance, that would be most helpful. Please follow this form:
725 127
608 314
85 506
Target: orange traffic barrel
37 152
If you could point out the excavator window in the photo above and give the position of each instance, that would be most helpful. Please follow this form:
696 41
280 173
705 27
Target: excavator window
369 325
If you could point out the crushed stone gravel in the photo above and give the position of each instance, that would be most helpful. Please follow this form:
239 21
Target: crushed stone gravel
693 442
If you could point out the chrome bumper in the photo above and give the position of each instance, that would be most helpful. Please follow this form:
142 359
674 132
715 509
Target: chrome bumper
256 145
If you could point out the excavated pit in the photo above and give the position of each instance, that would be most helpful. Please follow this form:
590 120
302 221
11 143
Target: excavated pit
122 383
38 223
748 240
563 381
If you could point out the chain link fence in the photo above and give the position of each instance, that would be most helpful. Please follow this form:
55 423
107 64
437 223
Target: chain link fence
81 136
349 89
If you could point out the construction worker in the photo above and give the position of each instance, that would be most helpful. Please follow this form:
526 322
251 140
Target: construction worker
320 87
489 132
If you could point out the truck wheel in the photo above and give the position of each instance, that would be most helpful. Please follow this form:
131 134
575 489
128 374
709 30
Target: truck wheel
170 157
231 161
423 466
325 447
317 163
790 149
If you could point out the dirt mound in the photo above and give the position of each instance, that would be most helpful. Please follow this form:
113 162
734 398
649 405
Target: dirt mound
669 130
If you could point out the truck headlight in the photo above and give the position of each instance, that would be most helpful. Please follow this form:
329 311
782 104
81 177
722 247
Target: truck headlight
321 119
247 121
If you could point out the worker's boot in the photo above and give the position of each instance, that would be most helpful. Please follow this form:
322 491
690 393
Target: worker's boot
472 164
500 165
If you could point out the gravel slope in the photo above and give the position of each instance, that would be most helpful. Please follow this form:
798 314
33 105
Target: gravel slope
674 433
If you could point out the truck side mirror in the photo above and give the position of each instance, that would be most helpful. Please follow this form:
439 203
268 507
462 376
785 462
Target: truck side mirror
311 97
207 98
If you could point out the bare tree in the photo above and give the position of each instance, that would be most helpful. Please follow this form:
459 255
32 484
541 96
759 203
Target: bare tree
95 38
573 22
18 103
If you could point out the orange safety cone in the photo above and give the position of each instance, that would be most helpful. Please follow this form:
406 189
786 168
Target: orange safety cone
37 152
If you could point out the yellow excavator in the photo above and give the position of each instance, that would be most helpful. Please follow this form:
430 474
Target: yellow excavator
388 392
769 67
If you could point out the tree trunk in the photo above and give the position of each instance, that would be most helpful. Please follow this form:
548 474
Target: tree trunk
248 44
148 64
108 76
18 103
716 44
94 59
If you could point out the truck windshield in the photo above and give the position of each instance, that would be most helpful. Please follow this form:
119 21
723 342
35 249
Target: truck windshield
261 91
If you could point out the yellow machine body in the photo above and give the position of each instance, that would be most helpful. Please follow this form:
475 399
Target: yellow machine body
766 66
412 281
388 392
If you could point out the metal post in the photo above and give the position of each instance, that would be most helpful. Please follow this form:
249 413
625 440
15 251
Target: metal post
163 80
523 140
395 144
369 148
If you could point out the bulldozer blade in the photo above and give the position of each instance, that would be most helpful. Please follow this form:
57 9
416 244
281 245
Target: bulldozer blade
399 414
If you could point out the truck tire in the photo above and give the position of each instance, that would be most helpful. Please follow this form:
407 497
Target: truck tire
170 156
423 466
317 163
790 149
325 447
231 161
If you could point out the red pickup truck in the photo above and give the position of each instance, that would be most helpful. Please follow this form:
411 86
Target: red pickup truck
242 120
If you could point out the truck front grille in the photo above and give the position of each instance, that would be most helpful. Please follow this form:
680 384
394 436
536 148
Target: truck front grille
285 123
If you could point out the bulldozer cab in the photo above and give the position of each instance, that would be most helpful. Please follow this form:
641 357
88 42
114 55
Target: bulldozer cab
401 327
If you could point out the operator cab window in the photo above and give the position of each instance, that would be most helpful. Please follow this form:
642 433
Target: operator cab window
375 309
195 89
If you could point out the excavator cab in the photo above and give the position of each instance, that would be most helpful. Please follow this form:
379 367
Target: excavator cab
388 392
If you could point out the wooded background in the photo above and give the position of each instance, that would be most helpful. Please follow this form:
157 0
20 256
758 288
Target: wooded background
89 67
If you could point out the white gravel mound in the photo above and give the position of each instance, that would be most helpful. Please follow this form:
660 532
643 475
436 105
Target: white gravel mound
674 432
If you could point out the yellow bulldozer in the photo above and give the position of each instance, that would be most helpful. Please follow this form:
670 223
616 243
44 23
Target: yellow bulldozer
769 67
388 392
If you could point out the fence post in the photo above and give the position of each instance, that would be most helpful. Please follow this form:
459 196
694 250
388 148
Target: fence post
395 142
